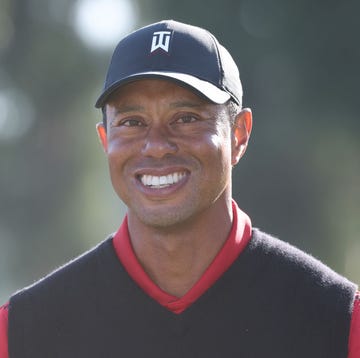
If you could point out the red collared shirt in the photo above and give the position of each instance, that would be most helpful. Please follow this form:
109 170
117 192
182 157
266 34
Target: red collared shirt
238 239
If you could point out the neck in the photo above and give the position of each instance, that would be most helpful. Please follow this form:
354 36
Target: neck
175 258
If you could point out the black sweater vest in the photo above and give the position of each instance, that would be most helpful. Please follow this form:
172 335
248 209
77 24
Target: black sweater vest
274 301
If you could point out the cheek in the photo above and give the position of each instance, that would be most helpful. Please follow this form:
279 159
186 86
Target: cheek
119 178
114 170
117 155
215 140
120 149
216 153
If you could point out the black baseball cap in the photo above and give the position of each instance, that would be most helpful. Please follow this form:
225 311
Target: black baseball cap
186 54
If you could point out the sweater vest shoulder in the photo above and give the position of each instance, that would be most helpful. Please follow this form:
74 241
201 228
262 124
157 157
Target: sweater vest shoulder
274 301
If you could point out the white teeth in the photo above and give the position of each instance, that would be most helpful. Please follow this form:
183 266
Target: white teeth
155 181
148 180
170 179
161 181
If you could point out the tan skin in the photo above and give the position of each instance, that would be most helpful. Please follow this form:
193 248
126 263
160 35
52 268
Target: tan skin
157 128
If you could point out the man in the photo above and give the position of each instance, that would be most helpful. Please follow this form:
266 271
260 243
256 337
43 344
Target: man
186 275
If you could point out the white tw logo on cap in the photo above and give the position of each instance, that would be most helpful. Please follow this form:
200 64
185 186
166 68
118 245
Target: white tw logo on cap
161 39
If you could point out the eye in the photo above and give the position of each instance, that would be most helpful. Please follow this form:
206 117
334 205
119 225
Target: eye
131 122
188 118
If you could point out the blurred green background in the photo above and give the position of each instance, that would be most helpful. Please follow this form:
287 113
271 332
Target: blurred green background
299 63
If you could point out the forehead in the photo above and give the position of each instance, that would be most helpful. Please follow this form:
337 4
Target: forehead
155 90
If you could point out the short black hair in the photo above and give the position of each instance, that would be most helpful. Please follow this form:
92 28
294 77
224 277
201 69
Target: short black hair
234 109
104 119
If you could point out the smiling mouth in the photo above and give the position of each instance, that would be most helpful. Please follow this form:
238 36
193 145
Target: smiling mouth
163 181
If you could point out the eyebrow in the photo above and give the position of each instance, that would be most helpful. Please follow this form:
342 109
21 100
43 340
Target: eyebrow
126 109
177 104
181 104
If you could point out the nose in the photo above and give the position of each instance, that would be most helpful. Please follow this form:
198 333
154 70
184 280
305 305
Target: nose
158 143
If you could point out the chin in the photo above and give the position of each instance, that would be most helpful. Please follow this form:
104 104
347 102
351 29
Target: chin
162 220
165 217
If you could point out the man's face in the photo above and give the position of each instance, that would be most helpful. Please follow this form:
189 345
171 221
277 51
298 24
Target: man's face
170 152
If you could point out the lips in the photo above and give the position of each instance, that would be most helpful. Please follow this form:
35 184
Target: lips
161 181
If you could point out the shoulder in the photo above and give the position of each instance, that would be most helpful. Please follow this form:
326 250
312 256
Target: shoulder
65 278
284 254
300 270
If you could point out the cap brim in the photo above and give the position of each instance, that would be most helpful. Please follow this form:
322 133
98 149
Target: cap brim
207 89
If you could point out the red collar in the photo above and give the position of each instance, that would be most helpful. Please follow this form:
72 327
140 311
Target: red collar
238 239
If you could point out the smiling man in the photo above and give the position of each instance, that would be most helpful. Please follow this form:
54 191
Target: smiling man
185 275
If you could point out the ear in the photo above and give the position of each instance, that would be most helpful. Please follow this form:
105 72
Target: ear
241 134
101 131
